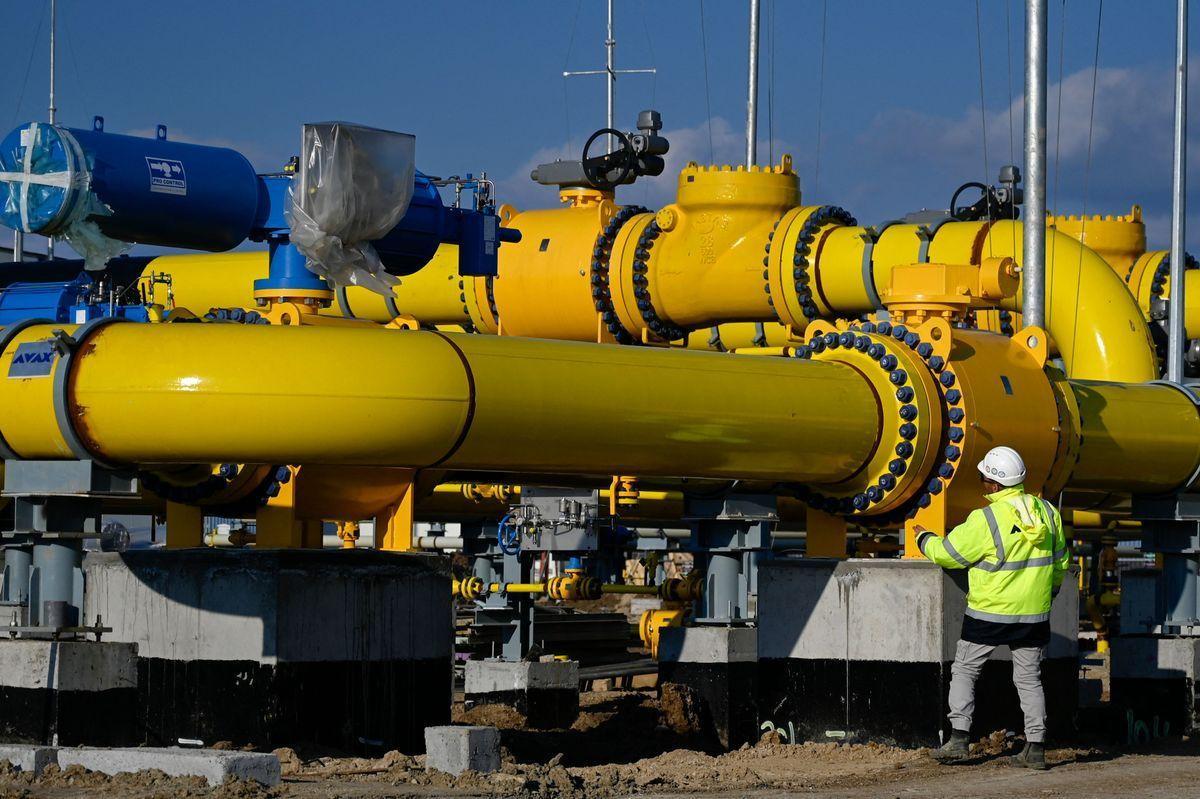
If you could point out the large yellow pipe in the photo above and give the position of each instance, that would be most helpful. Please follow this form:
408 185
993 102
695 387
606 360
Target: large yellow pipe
316 395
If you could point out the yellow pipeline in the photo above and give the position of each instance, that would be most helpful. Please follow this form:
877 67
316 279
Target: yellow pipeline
435 295
255 394
264 394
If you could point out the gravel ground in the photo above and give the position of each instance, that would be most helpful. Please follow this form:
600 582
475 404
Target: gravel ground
618 748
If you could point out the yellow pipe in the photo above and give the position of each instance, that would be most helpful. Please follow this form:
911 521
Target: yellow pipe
1135 438
255 394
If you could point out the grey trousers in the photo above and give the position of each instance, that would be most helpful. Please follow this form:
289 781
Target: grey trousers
1027 677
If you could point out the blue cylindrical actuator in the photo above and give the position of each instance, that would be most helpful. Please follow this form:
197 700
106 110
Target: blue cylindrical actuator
152 191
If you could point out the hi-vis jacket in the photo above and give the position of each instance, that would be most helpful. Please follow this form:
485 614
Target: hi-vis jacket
1016 552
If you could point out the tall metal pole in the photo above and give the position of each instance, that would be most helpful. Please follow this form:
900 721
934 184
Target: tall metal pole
53 110
752 91
1176 334
610 73
1033 262
610 46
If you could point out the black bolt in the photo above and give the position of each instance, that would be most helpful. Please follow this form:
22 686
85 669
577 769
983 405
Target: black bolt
952 452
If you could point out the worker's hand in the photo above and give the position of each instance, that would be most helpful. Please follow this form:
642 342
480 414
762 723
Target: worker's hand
918 529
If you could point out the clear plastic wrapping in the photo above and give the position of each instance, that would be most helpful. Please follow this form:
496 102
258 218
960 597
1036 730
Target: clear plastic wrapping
354 185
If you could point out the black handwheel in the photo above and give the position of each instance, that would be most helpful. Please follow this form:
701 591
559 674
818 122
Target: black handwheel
597 168
969 213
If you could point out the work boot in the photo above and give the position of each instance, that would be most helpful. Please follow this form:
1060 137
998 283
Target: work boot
1032 756
958 748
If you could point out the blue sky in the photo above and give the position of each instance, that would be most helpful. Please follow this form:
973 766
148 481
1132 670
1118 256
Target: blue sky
480 85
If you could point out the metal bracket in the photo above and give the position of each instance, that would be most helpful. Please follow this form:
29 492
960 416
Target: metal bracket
926 233
61 384
870 236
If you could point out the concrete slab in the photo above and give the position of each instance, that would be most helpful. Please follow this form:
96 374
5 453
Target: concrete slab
29 758
68 665
545 692
1151 657
458 749
68 692
708 645
211 764
490 676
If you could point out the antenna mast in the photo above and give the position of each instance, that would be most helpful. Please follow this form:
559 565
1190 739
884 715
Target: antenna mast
611 72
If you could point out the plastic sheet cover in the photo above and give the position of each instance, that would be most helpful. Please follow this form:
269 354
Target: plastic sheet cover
47 189
354 185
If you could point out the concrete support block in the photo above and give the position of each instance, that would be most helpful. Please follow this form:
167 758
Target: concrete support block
211 764
27 757
1154 683
458 749
68 692
545 692
709 676
861 649
276 647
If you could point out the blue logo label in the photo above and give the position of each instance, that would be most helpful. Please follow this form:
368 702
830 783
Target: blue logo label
167 176
33 359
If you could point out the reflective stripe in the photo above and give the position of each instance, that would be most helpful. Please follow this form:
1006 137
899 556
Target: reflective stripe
952 552
1006 619
1017 565
990 515
1059 554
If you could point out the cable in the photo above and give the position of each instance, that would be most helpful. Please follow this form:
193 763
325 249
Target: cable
707 94
28 68
1012 149
983 110
820 95
1087 173
566 63
771 82
1062 46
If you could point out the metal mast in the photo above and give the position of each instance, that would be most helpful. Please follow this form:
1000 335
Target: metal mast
1033 266
1176 334
752 91
53 110
610 71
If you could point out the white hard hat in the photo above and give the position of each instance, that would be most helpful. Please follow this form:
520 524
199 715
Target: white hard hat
1003 465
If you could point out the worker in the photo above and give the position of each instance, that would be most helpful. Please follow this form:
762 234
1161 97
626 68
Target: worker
1016 555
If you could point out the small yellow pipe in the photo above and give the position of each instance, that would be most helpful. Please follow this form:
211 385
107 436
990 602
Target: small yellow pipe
642 590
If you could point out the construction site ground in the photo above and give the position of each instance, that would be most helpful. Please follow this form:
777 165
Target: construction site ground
620 746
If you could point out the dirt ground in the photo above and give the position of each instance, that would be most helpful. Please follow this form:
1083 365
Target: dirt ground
619 747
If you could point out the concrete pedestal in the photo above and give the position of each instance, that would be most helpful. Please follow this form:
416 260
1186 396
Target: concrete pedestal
347 648
545 692
68 692
861 649
1154 683
458 749
717 666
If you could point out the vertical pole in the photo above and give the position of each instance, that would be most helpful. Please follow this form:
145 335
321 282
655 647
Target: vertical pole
1033 265
1176 334
53 110
610 46
752 91
18 245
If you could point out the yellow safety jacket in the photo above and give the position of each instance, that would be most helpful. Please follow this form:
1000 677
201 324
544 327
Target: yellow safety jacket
1016 552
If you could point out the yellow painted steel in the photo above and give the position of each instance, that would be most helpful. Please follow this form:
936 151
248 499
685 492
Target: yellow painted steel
1149 278
711 250
544 288
24 401
1119 240
1135 438
201 282
220 393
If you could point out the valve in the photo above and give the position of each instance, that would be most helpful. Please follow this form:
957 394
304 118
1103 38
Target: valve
995 202
636 155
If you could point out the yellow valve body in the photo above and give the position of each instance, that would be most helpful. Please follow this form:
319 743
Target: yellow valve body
1119 240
